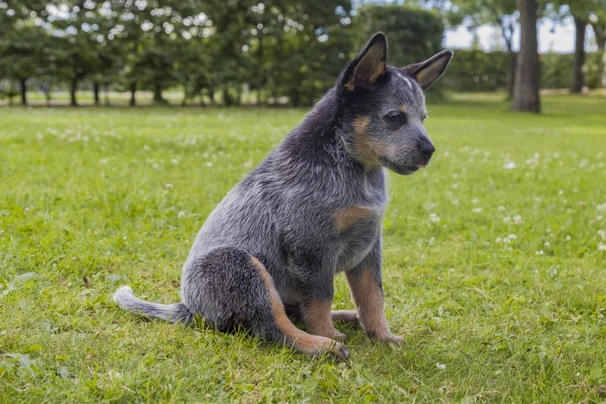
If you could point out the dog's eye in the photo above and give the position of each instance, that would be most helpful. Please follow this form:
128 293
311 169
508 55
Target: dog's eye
395 117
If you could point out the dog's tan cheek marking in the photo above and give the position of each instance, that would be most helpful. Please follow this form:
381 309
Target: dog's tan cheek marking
369 301
347 217
403 109
300 340
363 144
361 123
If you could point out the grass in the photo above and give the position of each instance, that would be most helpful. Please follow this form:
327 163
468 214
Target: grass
494 259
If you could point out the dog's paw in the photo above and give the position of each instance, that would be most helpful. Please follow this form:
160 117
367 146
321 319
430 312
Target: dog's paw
339 336
340 351
387 338
395 339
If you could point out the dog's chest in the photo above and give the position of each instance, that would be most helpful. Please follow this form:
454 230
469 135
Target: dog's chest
358 224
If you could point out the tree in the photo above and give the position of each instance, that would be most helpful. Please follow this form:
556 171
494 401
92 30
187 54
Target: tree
500 13
598 23
582 12
22 43
526 86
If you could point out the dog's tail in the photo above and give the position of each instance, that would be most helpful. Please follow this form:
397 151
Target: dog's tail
177 312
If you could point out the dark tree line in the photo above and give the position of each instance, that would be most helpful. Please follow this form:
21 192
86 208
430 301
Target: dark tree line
280 49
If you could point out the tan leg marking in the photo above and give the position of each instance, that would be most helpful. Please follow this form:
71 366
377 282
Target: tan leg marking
300 340
369 301
318 320
346 217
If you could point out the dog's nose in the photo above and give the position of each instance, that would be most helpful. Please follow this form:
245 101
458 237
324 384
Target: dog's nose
426 148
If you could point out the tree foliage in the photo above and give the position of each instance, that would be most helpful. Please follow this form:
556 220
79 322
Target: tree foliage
216 50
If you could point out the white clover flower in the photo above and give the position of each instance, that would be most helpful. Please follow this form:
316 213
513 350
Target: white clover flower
540 252
509 165
517 219
169 186
602 207
568 238
501 208
440 366
477 210
601 247
181 214
547 244
434 218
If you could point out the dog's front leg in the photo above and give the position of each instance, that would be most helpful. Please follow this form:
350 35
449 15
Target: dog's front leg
318 291
367 290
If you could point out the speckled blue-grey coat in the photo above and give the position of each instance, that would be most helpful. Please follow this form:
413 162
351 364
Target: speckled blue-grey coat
311 209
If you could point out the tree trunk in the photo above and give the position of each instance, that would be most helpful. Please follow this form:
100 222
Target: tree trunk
600 38
211 95
72 92
96 89
526 86
507 24
158 94
184 101
511 72
133 90
106 92
23 91
601 67
579 55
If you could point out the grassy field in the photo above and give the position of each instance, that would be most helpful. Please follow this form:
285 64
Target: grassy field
494 259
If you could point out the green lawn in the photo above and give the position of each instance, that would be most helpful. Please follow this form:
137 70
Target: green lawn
494 259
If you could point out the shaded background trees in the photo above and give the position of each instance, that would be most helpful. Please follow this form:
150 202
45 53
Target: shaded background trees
273 51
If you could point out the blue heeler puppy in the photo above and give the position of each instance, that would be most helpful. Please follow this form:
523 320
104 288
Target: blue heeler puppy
311 209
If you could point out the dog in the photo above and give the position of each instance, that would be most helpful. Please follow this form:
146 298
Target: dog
313 208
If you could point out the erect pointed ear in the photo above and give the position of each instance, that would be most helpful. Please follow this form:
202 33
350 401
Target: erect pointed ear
429 71
368 66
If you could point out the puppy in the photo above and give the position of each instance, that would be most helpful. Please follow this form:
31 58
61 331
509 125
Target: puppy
311 209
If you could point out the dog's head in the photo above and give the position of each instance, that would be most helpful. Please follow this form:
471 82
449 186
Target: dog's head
383 108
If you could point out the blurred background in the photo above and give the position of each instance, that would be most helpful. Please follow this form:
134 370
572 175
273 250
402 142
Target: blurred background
287 52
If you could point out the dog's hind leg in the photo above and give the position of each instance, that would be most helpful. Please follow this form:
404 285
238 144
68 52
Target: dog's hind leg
345 316
231 288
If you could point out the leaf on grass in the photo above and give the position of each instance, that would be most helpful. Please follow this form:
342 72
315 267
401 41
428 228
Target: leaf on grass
595 374
116 278
25 304
19 282
63 372
24 361
34 348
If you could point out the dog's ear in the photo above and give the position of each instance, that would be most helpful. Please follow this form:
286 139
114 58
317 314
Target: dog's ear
368 66
429 71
